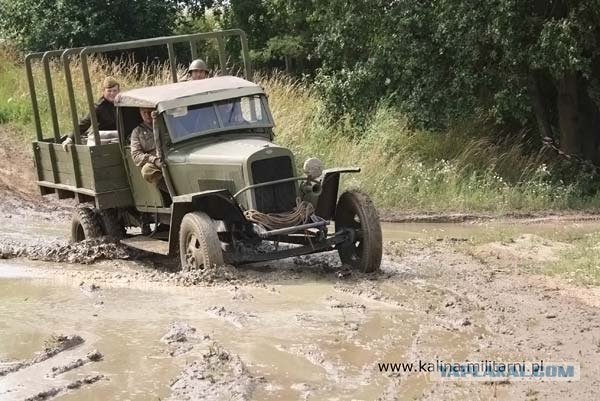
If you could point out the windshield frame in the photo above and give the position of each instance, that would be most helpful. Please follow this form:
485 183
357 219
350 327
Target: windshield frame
222 128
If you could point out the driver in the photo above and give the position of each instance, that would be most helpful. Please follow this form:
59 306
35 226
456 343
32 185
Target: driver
143 150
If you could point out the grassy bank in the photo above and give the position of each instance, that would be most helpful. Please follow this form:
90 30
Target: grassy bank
579 263
462 170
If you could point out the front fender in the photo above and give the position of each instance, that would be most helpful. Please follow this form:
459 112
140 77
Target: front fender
218 204
330 184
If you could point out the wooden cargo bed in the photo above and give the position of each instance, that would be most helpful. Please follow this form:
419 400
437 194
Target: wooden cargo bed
87 173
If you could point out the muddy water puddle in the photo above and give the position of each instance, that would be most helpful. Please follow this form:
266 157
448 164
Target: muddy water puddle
312 337
298 340
33 230
32 311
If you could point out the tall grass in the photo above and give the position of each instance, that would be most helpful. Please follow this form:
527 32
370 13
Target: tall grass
465 169
461 170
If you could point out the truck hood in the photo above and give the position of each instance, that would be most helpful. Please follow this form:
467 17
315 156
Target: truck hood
233 151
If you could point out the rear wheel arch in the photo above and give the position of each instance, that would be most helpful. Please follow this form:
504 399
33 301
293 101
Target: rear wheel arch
112 223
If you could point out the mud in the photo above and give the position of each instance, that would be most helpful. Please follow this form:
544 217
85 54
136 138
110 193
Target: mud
93 356
238 319
306 328
218 375
53 346
181 338
300 330
84 252
399 216
47 394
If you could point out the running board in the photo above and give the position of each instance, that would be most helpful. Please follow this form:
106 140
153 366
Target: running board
147 244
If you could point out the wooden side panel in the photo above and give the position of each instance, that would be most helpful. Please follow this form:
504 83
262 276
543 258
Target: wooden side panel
108 168
82 171
118 198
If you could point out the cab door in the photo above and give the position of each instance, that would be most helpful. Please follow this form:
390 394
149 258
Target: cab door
145 194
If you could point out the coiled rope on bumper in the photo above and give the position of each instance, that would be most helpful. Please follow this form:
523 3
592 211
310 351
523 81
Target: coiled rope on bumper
272 221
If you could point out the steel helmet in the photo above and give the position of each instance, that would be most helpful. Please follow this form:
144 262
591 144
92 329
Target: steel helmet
198 64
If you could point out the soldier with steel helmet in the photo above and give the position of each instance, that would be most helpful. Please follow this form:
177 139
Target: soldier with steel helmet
197 70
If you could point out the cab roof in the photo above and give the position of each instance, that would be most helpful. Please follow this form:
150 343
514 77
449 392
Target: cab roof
187 93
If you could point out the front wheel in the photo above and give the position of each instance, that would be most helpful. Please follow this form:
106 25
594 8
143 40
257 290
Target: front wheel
355 211
199 245
85 225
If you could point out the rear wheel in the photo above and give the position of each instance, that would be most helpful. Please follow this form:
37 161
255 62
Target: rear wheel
356 211
199 245
111 224
85 225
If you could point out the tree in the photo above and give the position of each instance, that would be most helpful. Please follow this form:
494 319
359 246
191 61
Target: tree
37 25
532 64
279 31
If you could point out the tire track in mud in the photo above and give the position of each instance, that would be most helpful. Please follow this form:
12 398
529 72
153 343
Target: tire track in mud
511 315
338 374
237 319
54 346
56 391
93 356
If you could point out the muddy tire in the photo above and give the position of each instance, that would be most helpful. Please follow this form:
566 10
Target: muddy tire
356 211
85 225
112 226
199 245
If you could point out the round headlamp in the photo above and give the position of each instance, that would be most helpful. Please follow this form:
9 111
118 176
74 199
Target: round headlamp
313 168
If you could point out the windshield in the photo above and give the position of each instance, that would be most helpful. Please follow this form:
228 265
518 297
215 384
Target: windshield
190 121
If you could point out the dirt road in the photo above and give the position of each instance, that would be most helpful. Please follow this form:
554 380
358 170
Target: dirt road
99 322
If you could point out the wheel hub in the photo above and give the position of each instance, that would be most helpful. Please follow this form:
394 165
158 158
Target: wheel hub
194 256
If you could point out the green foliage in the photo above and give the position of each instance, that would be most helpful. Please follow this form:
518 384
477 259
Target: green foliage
578 263
39 25
415 170
15 105
279 31
442 61
530 66
442 100
207 50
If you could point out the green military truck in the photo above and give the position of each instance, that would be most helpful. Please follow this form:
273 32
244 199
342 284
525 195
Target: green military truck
233 195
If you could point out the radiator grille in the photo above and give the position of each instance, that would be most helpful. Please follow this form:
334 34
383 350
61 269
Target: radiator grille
274 198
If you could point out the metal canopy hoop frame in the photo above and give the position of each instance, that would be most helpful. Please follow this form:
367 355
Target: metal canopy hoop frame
84 52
